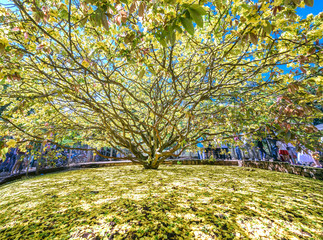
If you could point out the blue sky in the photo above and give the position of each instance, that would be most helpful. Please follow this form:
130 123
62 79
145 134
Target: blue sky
303 12
317 8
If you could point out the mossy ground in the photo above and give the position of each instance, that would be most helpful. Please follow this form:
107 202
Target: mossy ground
174 202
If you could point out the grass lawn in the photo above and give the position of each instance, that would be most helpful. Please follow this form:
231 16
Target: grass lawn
174 202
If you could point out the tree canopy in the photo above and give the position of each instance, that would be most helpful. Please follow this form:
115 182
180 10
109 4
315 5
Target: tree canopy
156 77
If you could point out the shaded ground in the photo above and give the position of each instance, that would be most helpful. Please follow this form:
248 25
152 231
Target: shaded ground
5 177
174 202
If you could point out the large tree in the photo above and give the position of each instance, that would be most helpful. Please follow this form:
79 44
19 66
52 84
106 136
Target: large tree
156 77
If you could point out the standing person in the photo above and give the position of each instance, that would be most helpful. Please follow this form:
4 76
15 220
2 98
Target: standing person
225 150
200 153
305 158
217 150
5 164
237 149
283 153
13 158
274 149
238 152
261 150
251 150
208 151
292 152
32 161
18 165
4 152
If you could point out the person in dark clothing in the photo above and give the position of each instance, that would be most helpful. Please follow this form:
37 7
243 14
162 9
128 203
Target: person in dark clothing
237 149
238 152
9 154
261 150
208 151
13 158
225 152
274 150
18 166
217 153
4 165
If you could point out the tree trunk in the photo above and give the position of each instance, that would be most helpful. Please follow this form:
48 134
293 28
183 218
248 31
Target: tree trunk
39 159
151 166
111 150
69 157
151 163
88 157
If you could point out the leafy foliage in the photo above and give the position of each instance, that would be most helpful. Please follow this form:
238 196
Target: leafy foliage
154 77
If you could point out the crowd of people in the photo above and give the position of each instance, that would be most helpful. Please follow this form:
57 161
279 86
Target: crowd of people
16 160
40 156
261 150
13 161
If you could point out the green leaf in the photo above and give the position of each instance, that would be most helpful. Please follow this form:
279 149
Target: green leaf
63 13
199 9
188 25
93 20
268 27
309 3
288 136
296 1
253 38
98 18
162 41
187 14
245 6
178 29
152 70
308 146
173 38
142 73
83 21
105 23
218 4
196 17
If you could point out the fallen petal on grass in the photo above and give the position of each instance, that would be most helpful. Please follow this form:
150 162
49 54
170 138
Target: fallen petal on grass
174 202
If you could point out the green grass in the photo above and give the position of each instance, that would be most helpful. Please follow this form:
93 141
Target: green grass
174 202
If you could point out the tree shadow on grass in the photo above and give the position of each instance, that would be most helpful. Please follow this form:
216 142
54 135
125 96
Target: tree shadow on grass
133 219
176 204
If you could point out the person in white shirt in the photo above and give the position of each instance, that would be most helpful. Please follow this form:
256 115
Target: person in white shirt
305 158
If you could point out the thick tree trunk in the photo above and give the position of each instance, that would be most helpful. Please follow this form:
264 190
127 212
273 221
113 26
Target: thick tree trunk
151 163
151 166
88 157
